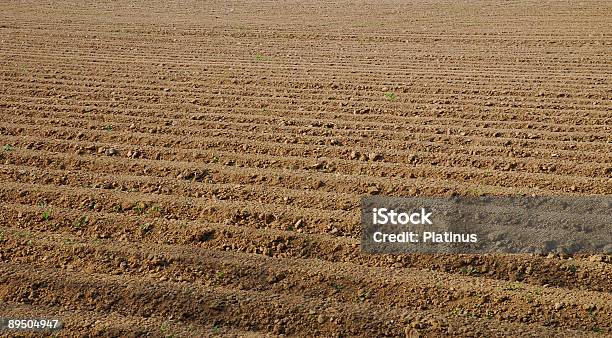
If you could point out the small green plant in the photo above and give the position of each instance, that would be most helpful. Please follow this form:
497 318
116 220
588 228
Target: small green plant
139 208
156 210
164 329
338 287
259 57
597 329
471 314
80 222
8 147
109 127
220 275
477 191
146 228
573 268
390 96
469 270
363 295
46 215
24 234
216 328
514 287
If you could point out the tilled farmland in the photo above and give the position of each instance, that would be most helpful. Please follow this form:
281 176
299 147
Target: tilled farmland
190 169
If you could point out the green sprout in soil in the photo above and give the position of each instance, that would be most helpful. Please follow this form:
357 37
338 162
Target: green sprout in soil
155 210
139 208
109 127
24 234
363 295
117 208
46 215
471 314
259 57
164 327
164 330
469 270
80 222
390 96
514 287
8 147
146 228
477 192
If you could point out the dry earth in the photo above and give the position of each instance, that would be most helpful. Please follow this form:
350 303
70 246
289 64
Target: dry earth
194 168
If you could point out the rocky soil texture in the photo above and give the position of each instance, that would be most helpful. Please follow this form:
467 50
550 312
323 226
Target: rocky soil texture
195 168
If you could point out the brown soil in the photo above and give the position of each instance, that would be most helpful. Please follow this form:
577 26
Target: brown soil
189 170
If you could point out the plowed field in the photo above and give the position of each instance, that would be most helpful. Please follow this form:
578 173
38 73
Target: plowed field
195 168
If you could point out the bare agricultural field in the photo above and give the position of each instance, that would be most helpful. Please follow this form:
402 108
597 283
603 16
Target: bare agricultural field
195 168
